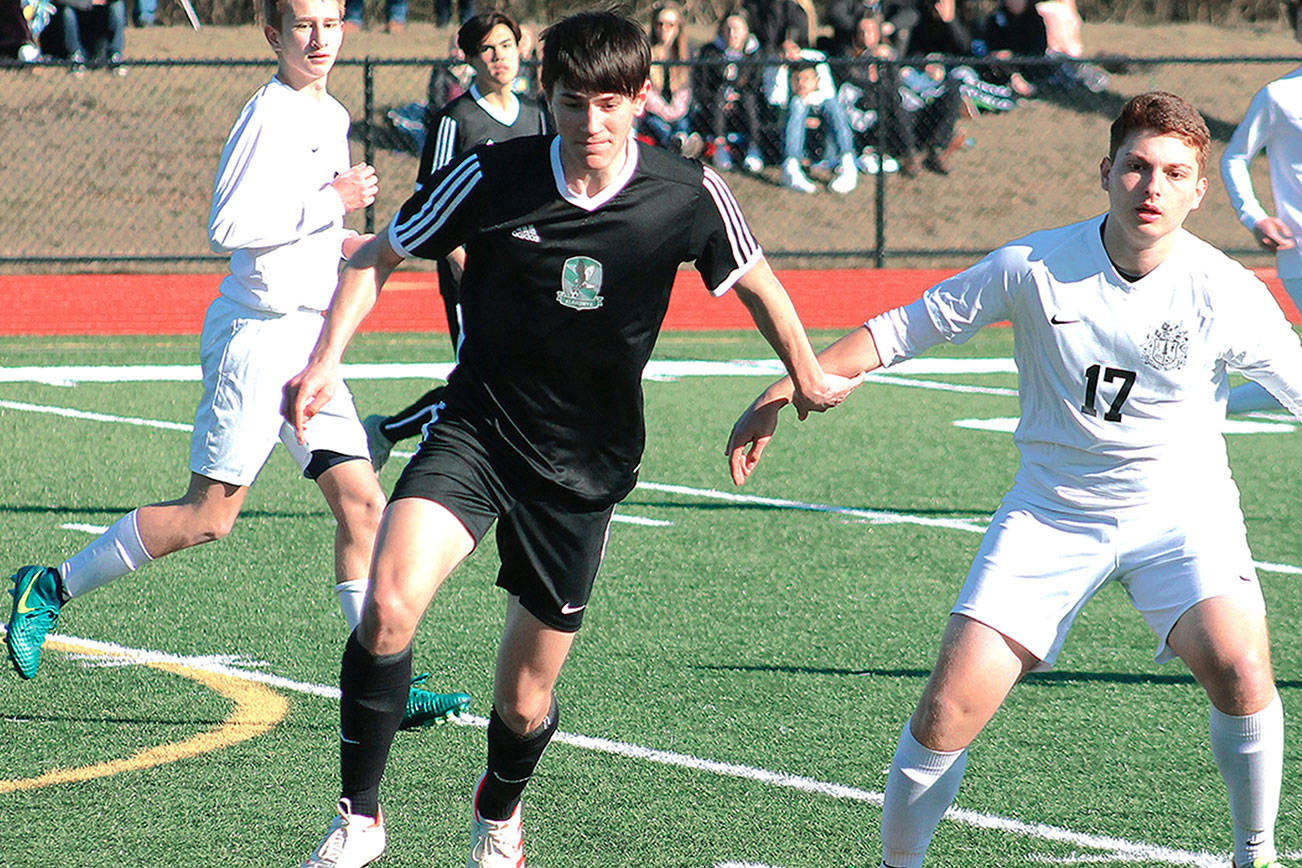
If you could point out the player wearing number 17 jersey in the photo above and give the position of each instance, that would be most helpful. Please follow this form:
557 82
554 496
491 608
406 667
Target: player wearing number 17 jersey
1125 327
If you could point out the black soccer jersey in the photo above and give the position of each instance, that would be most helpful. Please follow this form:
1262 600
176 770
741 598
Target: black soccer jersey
563 297
465 123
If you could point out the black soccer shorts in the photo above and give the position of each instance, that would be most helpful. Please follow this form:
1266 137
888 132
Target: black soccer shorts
550 551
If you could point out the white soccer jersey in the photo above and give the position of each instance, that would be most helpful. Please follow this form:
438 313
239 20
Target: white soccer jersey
1122 384
273 209
1274 122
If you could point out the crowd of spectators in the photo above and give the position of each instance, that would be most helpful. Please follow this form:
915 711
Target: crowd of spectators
876 86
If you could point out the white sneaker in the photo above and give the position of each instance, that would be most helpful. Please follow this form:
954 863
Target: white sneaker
793 177
753 162
495 843
847 177
351 841
376 442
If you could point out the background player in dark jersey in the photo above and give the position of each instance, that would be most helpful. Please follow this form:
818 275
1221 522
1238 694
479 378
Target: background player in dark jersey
489 112
572 245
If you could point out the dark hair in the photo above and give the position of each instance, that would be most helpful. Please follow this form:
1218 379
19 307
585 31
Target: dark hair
596 52
1164 114
476 27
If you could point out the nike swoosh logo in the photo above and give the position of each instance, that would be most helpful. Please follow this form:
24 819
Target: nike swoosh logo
567 609
1054 319
23 608
346 739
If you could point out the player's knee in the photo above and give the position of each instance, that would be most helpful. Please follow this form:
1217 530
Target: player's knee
361 512
1241 681
523 714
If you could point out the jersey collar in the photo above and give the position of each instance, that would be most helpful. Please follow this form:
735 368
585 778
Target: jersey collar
611 190
507 117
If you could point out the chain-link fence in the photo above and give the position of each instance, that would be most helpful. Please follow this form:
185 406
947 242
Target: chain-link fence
115 173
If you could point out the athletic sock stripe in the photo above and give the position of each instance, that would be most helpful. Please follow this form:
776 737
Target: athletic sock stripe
439 204
740 238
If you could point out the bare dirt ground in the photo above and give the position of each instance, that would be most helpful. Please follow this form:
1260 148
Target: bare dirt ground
110 165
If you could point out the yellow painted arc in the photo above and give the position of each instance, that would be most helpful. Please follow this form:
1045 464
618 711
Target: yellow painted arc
257 710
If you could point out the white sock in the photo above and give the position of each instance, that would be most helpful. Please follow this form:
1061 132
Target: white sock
113 554
352 594
1249 397
921 785
1249 753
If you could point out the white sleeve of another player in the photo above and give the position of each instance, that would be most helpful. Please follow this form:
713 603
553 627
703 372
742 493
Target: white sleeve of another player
1248 139
1267 349
952 310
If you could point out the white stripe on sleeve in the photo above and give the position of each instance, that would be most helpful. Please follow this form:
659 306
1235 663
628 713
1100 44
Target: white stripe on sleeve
740 239
440 203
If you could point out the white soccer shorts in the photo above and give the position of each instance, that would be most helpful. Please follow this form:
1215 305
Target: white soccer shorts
1036 568
247 356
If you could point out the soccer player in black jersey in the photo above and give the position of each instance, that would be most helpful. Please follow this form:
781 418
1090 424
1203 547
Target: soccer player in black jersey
489 112
572 244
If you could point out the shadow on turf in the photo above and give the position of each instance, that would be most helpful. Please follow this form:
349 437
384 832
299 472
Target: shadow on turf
1043 679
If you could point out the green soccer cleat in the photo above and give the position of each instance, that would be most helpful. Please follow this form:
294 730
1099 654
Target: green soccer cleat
425 707
35 612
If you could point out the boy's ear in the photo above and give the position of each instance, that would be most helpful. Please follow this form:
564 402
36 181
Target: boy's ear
273 37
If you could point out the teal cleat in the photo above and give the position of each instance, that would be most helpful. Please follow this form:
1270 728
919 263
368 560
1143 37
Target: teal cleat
425 707
35 612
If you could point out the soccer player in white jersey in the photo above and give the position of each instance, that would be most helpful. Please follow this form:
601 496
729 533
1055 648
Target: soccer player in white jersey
1273 121
572 245
1125 326
283 187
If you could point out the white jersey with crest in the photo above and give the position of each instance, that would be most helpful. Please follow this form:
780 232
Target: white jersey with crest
1122 383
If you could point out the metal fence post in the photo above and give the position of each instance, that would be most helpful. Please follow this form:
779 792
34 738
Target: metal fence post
368 128
879 103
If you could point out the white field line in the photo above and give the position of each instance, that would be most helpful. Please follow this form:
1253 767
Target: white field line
871 516
66 375
1120 849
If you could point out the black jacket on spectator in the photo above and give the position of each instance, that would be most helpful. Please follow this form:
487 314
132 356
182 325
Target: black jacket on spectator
933 36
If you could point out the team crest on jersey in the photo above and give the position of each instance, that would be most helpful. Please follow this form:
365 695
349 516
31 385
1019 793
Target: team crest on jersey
581 283
1167 347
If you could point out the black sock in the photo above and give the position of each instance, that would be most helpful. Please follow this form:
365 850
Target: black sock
374 698
409 421
511 761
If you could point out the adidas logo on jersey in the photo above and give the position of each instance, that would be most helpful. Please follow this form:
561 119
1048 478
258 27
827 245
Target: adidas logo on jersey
526 233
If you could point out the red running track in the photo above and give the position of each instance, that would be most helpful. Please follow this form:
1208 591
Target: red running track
160 304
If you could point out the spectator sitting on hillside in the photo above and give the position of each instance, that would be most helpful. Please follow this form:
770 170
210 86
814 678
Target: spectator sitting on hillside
1013 31
775 22
940 32
871 95
728 88
669 102
897 19
92 23
805 87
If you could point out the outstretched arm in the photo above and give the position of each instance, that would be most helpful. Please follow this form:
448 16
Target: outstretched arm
770 307
359 287
847 361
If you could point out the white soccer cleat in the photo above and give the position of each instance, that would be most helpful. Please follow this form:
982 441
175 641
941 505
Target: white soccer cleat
495 843
351 841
